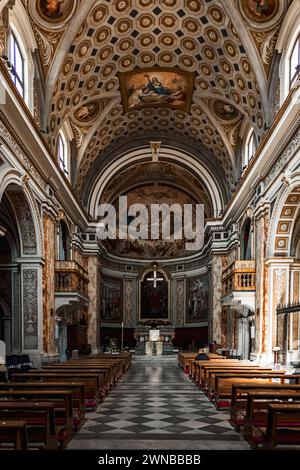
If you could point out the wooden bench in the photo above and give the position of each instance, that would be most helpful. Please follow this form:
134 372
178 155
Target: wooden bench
113 368
215 358
77 390
223 384
105 373
239 398
39 418
94 385
214 377
13 433
62 400
283 426
208 381
203 366
257 413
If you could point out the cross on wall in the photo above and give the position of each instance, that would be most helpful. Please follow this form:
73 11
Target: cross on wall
155 278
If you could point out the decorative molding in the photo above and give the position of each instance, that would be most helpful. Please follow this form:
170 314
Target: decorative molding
26 223
30 308
128 289
46 44
267 41
6 135
180 302
289 151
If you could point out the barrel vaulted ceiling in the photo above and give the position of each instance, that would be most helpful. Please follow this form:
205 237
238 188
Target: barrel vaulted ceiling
228 44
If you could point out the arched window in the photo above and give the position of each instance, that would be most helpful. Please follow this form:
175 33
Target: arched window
245 240
62 153
17 60
64 242
249 148
295 62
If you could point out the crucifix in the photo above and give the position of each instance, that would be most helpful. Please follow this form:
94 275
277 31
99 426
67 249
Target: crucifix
155 278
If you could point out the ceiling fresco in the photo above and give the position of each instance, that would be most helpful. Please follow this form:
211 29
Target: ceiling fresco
85 47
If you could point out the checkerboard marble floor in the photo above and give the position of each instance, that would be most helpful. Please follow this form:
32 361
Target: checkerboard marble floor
156 406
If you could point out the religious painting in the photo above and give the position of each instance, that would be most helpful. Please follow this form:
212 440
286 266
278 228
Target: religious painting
87 112
55 10
154 297
260 10
224 111
157 87
112 299
197 299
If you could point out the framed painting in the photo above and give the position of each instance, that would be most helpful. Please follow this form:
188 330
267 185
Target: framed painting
154 298
150 87
112 299
197 299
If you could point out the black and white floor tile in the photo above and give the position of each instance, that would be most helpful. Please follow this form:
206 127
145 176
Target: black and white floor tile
156 406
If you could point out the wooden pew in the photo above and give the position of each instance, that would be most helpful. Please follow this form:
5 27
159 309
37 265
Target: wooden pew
223 384
62 400
239 395
125 357
209 373
201 367
105 373
39 418
14 434
183 360
114 368
77 390
283 426
257 413
94 385
193 363
215 376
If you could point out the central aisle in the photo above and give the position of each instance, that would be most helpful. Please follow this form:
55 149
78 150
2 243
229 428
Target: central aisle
155 406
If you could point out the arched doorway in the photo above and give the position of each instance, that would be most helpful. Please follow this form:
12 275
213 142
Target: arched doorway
20 273
10 314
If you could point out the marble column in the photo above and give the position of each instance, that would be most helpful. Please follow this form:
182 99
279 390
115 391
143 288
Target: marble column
261 293
49 227
215 314
278 293
94 287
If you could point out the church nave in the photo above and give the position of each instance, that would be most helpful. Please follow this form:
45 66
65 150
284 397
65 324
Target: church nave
155 406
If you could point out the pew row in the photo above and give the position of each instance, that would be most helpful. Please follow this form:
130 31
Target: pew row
13 435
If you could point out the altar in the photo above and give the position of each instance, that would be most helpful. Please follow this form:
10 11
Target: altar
154 348
154 341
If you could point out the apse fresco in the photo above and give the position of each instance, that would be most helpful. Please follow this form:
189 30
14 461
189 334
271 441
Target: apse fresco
161 87
55 10
112 299
147 248
197 299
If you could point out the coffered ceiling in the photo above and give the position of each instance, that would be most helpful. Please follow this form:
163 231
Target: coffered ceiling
85 45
